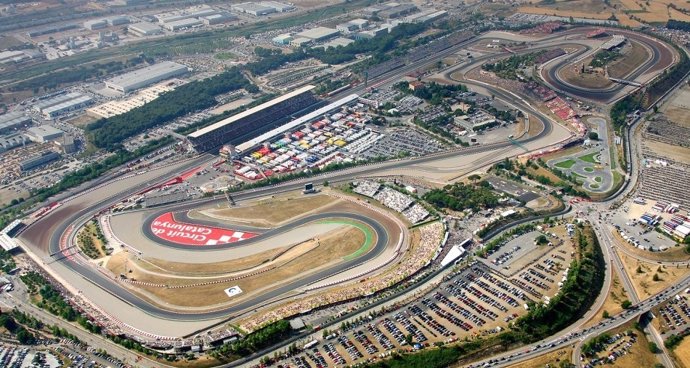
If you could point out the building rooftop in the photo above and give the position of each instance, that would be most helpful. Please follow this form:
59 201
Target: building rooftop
251 111
146 73
145 27
44 130
318 33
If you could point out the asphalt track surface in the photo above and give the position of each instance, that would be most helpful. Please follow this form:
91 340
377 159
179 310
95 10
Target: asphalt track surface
380 231
659 53
80 216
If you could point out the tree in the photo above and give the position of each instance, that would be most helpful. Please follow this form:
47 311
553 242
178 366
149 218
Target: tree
656 277
474 178
594 136
605 314
626 304
653 348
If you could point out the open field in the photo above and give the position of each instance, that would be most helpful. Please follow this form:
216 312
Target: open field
630 13
595 80
7 195
676 153
590 158
567 164
552 359
270 213
612 303
634 55
643 281
82 121
7 41
329 250
678 108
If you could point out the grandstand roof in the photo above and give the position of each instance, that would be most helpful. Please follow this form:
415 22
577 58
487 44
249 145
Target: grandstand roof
251 111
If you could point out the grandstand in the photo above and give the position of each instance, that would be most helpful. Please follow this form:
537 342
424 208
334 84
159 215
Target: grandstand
252 122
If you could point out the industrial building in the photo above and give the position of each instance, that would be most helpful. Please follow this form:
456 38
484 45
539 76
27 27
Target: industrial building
38 160
114 108
13 120
283 39
336 42
253 9
51 29
144 29
54 100
13 140
44 133
93 25
7 57
318 33
398 11
223 17
182 24
279 7
300 42
248 124
118 20
66 144
74 104
140 78
352 26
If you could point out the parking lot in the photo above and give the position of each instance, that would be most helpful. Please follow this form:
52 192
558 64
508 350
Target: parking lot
674 316
476 301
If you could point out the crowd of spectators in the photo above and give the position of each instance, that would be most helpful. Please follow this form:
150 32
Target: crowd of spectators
393 199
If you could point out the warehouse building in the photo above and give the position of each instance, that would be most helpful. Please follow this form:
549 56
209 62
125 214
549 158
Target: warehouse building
253 9
51 29
38 160
220 18
140 78
143 29
118 20
279 7
44 133
398 11
13 120
252 122
318 33
336 42
13 140
352 26
283 39
300 42
66 144
62 108
95 24
182 24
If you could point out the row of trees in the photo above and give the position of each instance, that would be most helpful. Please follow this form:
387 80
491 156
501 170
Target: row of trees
376 47
257 340
459 197
191 97
56 79
585 278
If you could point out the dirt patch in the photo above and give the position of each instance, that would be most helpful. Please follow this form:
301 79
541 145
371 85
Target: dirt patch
328 250
270 212
634 55
7 195
642 275
675 153
82 121
194 269
612 303
595 79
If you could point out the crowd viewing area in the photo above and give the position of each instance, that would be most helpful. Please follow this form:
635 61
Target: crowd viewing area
252 122
393 199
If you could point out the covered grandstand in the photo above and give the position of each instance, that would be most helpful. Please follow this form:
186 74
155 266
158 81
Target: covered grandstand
250 123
